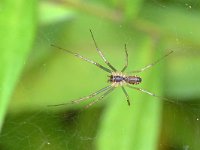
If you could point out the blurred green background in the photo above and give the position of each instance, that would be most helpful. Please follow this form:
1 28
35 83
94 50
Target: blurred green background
34 75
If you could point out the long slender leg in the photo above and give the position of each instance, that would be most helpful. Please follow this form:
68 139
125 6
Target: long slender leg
126 94
101 54
126 64
101 97
149 93
86 97
83 58
151 65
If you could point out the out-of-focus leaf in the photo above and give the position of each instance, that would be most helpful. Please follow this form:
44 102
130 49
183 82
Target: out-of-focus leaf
183 77
178 23
125 127
17 22
50 12
182 36
132 8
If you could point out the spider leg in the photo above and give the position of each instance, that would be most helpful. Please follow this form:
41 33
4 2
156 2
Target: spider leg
83 58
126 94
151 65
149 93
126 63
86 97
101 97
101 54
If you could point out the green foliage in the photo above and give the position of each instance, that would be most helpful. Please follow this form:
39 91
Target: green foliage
128 127
132 8
49 76
17 24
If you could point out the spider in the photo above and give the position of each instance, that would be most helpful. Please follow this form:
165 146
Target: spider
115 78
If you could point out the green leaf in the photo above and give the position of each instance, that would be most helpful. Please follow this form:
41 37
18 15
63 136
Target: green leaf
17 22
184 29
132 8
182 36
50 13
125 127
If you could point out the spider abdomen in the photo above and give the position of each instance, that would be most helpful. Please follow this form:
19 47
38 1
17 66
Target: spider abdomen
133 80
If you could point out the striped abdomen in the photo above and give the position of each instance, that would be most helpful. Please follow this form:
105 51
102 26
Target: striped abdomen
133 80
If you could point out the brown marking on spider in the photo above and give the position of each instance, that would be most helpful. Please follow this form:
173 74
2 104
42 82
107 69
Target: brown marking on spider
116 78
